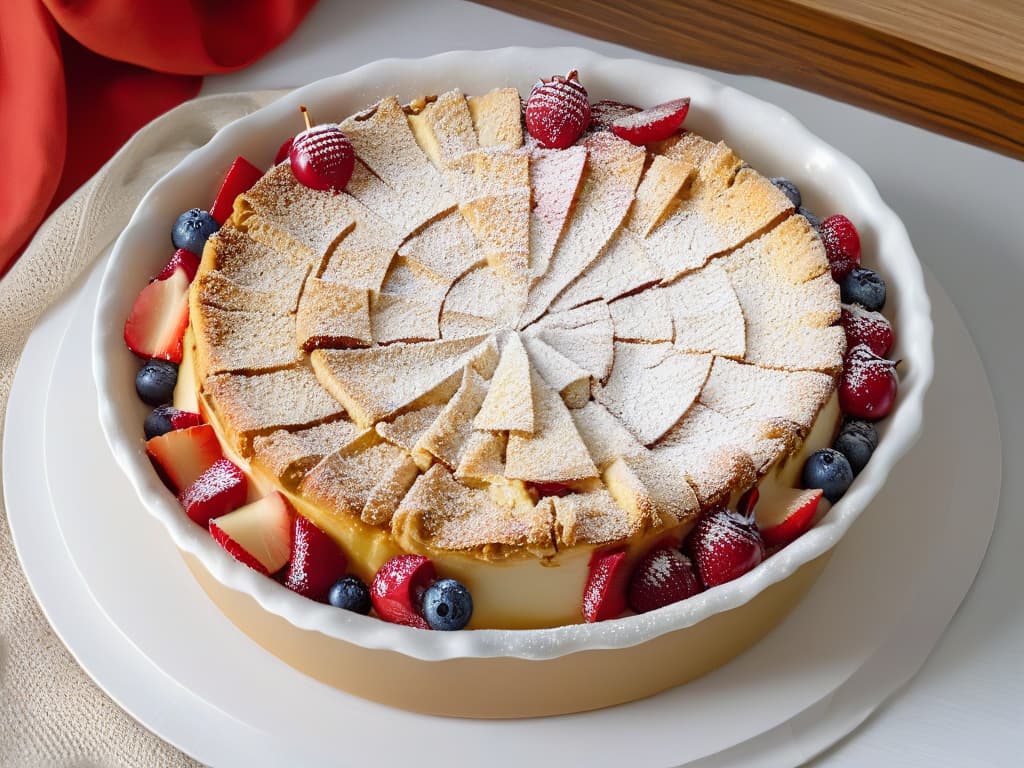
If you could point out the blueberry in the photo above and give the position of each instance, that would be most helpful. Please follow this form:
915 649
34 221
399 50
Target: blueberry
813 220
192 228
447 605
350 593
865 287
158 422
791 190
829 470
857 441
155 382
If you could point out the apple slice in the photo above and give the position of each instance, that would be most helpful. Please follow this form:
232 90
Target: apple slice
240 177
159 317
607 584
789 513
398 587
317 561
220 489
182 455
258 534
181 258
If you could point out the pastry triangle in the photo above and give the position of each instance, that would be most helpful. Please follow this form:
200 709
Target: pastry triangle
509 401
651 386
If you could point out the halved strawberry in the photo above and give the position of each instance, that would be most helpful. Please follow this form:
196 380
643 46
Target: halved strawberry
317 561
604 597
284 150
663 576
398 587
652 124
865 327
240 177
790 514
222 488
181 258
159 317
724 545
605 112
258 534
182 455
185 419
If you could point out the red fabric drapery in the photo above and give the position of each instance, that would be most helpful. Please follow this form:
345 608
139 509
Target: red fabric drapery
79 77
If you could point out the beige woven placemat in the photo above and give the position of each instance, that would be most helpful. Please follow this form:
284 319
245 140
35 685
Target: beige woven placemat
51 713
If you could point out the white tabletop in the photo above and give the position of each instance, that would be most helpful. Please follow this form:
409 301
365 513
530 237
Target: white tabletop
964 209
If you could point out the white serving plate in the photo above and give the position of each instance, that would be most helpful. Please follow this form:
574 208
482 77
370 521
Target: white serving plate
768 138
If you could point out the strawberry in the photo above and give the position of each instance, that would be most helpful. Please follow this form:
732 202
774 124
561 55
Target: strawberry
654 124
842 245
867 388
157 321
322 158
865 327
663 576
182 455
604 597
724 545
605 112
222 488
317 561
181 258
557 111
240 177
258 534
791 514
398 587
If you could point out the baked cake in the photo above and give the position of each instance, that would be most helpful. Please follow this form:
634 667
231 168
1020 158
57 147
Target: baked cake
538 364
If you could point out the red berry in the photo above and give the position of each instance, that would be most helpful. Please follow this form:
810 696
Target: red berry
551 489
181 258
867 389
842 245
397 589
605 112
604 596
558 111
316 562
282 152
222 488
241 176
865 327
724 545
652 124
322 158
663 576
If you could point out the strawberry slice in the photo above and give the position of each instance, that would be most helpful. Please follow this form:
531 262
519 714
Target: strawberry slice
182 455
159 317
185 419
790 514
258 534
240 177
865 327
604 597
663 576
724 545
222 488
317 561
605 112
398 587
652 124
181 258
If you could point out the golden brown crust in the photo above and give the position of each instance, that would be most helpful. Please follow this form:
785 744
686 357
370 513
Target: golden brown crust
641 335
